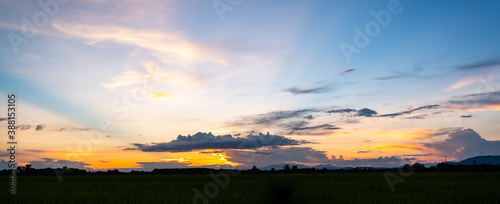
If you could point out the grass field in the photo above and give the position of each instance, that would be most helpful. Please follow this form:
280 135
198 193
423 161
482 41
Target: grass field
277 188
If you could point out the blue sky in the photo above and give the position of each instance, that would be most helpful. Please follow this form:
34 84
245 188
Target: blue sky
158 69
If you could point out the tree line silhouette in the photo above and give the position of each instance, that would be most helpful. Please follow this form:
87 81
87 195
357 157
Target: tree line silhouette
416 167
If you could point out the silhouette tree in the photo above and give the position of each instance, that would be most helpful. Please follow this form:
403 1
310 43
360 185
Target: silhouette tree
295 168
474 162
286 167
418 166
273 170
408 168
254 168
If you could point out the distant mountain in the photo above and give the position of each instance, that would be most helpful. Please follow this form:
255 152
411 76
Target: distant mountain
495 160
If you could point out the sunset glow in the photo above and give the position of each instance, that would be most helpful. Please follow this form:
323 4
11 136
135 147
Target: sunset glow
143 85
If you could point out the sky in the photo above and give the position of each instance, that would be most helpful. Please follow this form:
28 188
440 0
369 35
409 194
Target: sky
146 84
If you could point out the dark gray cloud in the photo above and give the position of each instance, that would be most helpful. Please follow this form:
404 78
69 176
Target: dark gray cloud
479 65
477 100
345 110
316 90
40 127
52 163
210 152
366 112
200 141
465 143
364 152
4 164
349 112
303 128
392 115
270 118
466 116
323 127
346 72
423 116
23 127
2 119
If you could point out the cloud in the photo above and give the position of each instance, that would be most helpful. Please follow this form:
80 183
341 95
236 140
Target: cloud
309 117
478 100
465 143
40 127
418 155
466 116
271 118
466 81
346 110
72 129
413 73
5 164
303 128
171 47
365 112
292 155
200 141
479 65
298 91
364 152
396 76
346 72
2 119
23 127
392 161
150 74
445 131
52 163
410 111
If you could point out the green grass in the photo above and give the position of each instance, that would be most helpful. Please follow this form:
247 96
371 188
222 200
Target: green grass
280 188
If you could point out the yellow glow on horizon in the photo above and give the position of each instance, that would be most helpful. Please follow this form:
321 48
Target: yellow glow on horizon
395 147
202 159
98 165
160 94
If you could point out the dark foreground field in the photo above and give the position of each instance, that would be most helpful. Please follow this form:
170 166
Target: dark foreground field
278 188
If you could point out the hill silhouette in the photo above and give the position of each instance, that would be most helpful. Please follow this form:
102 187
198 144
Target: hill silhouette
493 160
